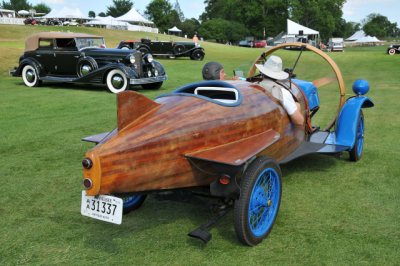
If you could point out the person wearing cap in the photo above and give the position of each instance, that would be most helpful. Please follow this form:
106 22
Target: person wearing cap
272 71
213 71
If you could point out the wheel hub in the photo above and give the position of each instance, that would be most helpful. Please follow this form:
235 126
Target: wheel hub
117 81
30 75
86 69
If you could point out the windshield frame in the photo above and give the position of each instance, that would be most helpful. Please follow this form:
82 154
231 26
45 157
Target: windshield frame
84 43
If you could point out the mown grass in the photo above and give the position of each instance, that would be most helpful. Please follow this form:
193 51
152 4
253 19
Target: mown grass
333 211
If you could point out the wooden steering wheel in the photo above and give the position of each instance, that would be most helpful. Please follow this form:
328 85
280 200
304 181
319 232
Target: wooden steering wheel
319 82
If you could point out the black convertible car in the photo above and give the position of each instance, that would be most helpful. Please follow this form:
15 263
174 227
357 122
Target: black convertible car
170 49
82 58
393 49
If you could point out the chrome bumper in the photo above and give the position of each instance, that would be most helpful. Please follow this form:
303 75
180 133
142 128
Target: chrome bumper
148 80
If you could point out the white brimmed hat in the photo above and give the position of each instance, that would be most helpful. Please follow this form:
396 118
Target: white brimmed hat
273 68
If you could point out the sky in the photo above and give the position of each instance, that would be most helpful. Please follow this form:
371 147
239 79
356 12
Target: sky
353 10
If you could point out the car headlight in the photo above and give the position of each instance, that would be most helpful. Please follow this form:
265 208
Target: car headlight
155 72
149 58
132 59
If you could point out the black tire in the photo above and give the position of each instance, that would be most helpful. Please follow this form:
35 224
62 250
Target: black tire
116 81
356 152
152 86
85 65
178 49
30 76
132 203
257 207
197 55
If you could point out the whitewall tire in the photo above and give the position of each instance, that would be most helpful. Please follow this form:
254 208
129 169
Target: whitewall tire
116 81
30 77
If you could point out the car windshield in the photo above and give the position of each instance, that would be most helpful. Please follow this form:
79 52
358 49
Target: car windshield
82 43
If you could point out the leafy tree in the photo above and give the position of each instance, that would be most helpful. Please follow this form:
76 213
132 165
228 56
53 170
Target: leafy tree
91 14
379 26
254 15
190 26
222 30
119 8
162 14
16 5
178 10
325 16
102 14
42 8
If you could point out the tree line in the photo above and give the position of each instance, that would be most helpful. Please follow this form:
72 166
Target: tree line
233 20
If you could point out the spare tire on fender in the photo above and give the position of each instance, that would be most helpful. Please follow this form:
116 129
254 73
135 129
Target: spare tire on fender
86 65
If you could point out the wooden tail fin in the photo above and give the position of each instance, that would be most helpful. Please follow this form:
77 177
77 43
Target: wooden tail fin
130 106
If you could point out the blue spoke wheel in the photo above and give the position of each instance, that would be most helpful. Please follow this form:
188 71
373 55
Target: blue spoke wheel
356 152
132 202
257 207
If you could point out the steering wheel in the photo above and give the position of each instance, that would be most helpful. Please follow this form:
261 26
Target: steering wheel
319 82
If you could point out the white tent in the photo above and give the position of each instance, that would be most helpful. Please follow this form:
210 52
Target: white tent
106 21
357 35
133 16
174 29
295 28
367 39
66 12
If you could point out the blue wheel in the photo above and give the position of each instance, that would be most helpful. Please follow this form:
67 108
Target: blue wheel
257 207
132 202
356 152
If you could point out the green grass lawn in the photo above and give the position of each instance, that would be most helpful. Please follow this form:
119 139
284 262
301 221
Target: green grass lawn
333 211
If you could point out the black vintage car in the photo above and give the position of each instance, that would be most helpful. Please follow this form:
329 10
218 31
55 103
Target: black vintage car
393 49
170 49
81 58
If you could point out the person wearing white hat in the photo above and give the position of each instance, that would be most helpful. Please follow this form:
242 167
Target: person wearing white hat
272 71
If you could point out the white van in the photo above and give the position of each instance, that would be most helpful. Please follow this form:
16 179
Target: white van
336 44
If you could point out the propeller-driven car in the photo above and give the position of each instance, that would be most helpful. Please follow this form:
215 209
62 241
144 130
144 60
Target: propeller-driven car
224 138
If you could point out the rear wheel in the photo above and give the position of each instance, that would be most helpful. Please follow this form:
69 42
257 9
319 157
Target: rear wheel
116 81
152 86
392 51
356 152
257 207
30 76
132 202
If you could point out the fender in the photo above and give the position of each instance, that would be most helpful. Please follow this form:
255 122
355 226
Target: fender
29 61
143 46
346 125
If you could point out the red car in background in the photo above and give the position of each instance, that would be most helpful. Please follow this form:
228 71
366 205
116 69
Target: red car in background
260 44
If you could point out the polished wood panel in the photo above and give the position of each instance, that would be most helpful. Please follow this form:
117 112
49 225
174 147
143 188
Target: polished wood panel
148 152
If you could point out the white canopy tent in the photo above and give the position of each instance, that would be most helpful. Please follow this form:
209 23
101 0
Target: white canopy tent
108 22
295 28
357 35
66 12
174 29
134 16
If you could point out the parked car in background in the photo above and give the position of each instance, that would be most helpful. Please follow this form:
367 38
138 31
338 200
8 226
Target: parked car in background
30 21
260 44
393 49
336 44
246 43
82 58
165 48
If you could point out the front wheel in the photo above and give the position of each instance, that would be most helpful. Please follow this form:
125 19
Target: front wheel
116 81
152 86
257 207
197 55
132 203
30 76
392 51
356 152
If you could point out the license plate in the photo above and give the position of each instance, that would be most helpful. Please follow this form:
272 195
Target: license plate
102 207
